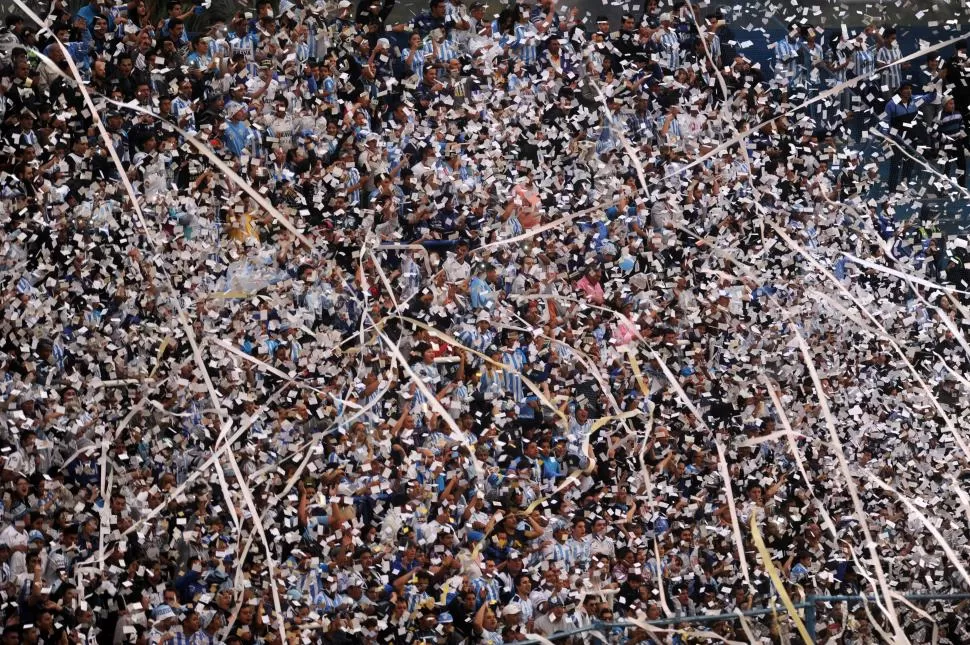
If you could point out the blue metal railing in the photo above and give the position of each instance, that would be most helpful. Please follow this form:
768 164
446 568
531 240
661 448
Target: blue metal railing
809 605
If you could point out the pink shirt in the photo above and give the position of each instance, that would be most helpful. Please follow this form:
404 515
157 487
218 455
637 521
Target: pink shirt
593 291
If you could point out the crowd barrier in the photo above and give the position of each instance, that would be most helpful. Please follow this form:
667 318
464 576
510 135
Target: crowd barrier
605 632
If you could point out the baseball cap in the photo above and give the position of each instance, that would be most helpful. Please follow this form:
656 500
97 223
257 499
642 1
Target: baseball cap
233 107
163 612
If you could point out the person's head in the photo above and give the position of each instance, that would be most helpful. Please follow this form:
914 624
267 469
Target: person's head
211 621
491 273
14 23
437 8
170 596
490 620
579 529
176 27
264 9
686 536
889 36
191 622
531 449
224 599
239 112
27 441
99 26
755 492
599 526
21 69
906 91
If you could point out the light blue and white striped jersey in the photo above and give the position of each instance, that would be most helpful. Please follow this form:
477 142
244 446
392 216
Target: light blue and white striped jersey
481 293
313 586
491 381
455 13
513 226
609 137
476 340
245 45
415 597
891 73
329 85
57 351
581 550
863 62
514 362
431 377
714 46
526 610
490 585
446 51
302 52
787 59
353 177
524 47
669 50
673 135
183 107
577 432
460 397
24 286
813 55
410 277
560 552
417 63
563 351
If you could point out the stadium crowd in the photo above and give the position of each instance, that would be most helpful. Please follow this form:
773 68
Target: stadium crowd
523 322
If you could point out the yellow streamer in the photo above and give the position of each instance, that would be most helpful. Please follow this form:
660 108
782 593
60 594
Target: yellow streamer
776 579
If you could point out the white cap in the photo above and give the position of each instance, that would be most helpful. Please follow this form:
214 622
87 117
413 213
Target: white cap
666 17
343 4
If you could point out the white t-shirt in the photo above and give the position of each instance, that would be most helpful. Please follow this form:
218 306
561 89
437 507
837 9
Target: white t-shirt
456 271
